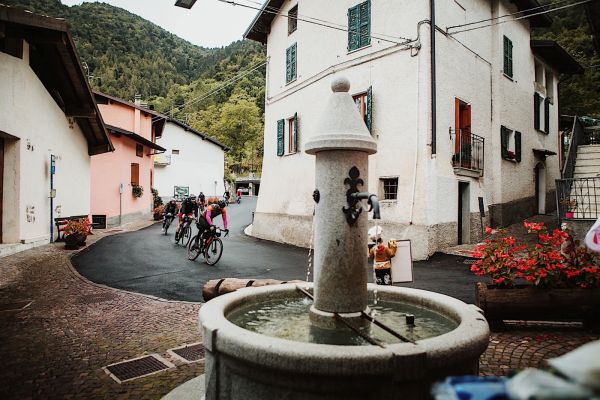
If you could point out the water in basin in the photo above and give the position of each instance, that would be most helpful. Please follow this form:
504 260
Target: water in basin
289 319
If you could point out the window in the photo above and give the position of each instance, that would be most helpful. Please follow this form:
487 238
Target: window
510 143
287 136
537 112
293 19
389 188
135 174
550 86
364 104
174 151
139 150
292 128
359 26
508 57
290 63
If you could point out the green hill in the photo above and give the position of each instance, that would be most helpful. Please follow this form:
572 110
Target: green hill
127 54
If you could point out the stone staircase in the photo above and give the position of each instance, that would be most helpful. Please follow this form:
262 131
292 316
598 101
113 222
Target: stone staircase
586 192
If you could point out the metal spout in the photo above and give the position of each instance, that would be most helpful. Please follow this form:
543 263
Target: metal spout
372 201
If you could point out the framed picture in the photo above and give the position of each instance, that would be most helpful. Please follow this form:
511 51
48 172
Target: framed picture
402 265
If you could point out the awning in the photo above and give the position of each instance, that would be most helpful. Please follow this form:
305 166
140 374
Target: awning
134 136
543 153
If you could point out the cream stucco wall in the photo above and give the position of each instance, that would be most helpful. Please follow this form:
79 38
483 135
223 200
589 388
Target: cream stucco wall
199 164
469 67
38 128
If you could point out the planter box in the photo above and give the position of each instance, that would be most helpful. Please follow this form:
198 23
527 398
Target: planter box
539 304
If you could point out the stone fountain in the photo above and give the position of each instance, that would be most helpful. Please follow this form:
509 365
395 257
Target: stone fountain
339 338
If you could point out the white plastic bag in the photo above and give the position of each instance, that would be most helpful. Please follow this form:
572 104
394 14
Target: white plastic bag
592 238
582 365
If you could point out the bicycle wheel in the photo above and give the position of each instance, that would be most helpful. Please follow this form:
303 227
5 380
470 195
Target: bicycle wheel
212 254
177 236
167 224
187 235
194 250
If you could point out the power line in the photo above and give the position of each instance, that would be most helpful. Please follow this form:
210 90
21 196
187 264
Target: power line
275 10
228 82
277 14
523 17
507 15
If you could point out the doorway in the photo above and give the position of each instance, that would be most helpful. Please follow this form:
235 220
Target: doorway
540 188
464 213
462 126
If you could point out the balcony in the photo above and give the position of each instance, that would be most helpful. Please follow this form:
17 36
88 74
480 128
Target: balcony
468 153
162 160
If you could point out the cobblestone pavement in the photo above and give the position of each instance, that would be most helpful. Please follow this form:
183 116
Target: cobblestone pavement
56 347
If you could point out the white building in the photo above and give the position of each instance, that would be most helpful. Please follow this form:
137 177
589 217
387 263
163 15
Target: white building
415 94
193 162
46 109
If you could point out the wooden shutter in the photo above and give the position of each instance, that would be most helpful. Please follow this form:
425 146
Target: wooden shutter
290 63
294 61
547 116
280 137
536 110
369 108
296 133
353 28
135 174
508 47
365 23
518 146
504 142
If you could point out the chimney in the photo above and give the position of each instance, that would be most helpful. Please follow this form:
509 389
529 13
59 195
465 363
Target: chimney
138 100
137 117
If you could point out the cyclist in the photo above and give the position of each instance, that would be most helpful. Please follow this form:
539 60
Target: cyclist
201 200
205 221
226 196
170 211
189 207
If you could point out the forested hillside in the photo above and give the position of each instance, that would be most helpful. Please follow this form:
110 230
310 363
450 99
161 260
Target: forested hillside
579 93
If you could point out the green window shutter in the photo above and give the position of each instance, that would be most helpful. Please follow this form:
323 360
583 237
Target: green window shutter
294 61
354 28
508 62
518 146
280 134
537 99
365 23
547 116
296 133
369 108
290 63
504 142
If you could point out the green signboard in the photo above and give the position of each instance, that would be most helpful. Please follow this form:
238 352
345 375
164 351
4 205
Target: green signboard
181 192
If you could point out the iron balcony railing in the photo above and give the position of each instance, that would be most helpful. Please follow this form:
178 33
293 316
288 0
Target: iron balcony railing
162 160
578 198
468 150
577 139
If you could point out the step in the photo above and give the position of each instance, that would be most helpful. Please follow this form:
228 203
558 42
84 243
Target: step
592 148
588 162
580 175
587 169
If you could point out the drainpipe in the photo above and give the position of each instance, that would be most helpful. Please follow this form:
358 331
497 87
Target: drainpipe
433 82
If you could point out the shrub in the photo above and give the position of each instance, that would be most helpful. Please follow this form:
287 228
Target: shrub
137 191
556 260
78 226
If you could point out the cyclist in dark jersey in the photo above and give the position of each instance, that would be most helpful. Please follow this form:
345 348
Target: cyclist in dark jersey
189 207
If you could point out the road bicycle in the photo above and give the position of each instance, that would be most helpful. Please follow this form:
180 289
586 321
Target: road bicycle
208 244
168 220
184 233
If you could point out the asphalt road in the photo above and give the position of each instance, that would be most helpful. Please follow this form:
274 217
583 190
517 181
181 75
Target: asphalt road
148 262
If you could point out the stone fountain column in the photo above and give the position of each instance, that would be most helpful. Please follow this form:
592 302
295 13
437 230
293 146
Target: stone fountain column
341 146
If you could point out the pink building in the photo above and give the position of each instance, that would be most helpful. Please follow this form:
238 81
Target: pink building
117 177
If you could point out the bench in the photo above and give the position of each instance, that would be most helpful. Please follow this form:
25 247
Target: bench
61 224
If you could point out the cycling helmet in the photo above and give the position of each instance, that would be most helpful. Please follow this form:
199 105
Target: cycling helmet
222 203
192 197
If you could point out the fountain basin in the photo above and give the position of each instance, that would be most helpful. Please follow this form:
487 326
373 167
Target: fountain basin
241 364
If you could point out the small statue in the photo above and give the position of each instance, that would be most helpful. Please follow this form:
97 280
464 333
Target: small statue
382 264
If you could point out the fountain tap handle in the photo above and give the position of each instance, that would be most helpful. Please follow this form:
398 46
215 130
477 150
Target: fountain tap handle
372 200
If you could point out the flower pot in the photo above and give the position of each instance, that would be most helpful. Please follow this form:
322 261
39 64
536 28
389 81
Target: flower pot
526 302
72 242
569 215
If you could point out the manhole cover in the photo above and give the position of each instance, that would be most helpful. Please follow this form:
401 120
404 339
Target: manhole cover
19 305
96 298
137 368
191 353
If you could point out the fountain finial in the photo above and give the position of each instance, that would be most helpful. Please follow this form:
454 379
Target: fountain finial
340 84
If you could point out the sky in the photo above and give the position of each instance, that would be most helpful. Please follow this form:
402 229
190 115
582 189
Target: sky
209 23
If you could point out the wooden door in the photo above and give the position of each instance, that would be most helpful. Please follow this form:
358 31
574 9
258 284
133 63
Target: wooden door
1 183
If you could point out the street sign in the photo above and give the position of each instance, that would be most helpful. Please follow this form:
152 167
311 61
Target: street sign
52 164
181 192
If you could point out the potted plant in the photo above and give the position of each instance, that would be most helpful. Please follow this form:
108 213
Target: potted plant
158 212
554 279
76 232
571 206
137 191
